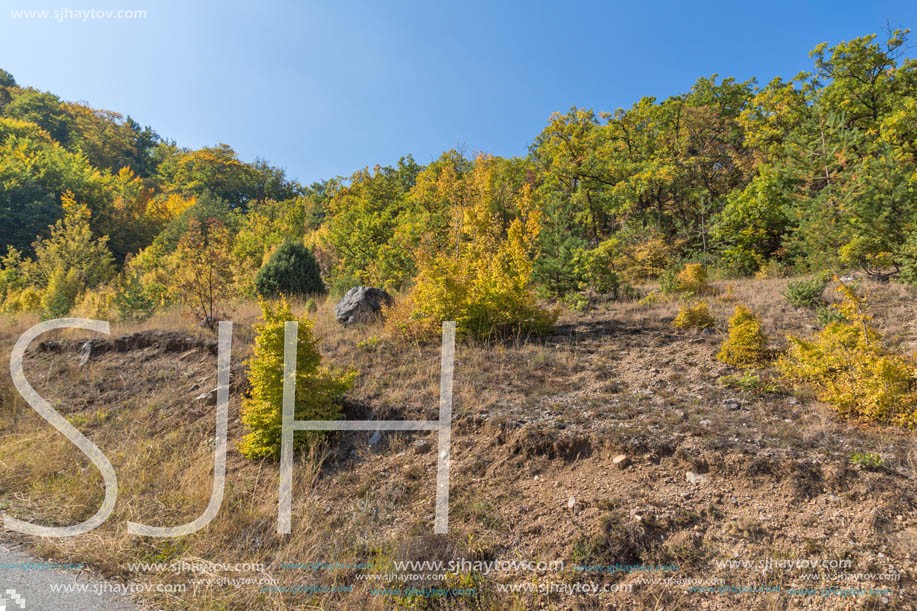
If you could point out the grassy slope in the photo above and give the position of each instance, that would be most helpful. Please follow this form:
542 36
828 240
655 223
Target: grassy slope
536 423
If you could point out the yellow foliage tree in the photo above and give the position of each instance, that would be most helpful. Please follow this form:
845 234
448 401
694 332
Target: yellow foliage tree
482 280
200 267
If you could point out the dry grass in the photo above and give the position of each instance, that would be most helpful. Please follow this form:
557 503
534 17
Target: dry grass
616 379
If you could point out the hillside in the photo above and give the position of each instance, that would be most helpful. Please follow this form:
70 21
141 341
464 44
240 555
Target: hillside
536 424
685 353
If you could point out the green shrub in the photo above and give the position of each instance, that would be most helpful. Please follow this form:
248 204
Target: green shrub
750 381
805 293
577 302
64 287
825 315
867 460
292 270
668 280
318 388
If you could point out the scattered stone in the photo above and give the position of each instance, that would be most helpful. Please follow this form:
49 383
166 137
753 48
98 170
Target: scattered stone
571 503
421 446
621 461
694 478
361 304
732 404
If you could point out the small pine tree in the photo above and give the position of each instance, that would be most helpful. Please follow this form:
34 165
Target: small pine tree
292 270
318 388
746 345
806 293
133 301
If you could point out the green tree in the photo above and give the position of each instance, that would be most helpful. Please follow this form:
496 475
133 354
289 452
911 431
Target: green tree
43 109
292 270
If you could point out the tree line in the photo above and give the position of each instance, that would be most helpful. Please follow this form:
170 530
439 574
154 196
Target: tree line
815 172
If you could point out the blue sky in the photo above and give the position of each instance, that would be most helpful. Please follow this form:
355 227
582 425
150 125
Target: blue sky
324 88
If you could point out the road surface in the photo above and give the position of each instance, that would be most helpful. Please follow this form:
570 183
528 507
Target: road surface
29 584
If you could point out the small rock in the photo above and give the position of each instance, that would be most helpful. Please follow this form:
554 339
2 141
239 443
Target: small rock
421 446
621 461
732 404
571 503
694 478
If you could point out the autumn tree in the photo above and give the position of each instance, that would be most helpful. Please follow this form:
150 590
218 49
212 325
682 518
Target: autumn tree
200 266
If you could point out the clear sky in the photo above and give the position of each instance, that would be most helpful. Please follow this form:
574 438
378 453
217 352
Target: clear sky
324 88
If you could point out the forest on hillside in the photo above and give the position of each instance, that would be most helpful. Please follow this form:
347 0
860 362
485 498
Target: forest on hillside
102 217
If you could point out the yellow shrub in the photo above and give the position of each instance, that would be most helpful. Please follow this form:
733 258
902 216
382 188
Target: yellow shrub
695 316
746 344
24 300
647 259
693 279
654 296
403 318
97 304
769 270
847 366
